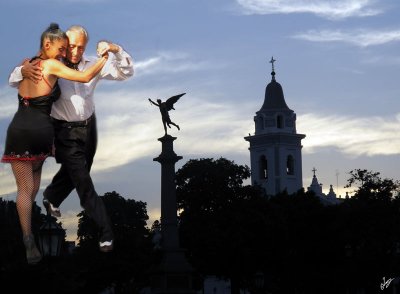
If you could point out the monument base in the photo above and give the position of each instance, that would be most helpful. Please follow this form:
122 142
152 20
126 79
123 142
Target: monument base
174 275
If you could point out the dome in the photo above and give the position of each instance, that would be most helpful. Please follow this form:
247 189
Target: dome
274 98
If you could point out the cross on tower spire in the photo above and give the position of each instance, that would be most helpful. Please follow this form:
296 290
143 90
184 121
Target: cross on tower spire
314 170
273 67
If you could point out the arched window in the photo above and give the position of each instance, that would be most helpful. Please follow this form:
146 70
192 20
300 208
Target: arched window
290 165
263 168
279 121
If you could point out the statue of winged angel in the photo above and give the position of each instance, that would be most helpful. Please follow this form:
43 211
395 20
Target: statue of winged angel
165 107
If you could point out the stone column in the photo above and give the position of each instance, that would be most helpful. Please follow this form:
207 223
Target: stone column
174 274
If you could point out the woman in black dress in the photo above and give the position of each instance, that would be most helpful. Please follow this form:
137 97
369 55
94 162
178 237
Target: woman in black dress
30 134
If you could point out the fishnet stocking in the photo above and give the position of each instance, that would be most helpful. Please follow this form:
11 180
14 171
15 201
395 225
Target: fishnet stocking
27 176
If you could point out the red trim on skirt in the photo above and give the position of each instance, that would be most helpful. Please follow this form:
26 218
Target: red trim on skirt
26 157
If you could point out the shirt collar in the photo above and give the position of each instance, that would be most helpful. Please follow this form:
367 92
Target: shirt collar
83 61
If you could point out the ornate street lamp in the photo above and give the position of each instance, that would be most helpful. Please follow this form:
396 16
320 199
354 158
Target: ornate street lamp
51 236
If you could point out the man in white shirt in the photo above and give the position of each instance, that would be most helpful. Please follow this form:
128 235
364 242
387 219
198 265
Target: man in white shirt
75 128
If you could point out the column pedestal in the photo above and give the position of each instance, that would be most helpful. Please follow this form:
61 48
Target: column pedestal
174 274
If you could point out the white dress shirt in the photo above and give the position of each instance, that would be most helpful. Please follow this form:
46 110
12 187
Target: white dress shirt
76 102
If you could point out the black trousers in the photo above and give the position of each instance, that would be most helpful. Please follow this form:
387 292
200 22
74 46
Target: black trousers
75 145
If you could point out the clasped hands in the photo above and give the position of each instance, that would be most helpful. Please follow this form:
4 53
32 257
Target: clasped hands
103 47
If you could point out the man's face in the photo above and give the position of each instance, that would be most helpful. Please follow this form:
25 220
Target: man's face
76 47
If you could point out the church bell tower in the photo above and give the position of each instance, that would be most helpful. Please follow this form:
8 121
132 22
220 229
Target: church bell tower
275 147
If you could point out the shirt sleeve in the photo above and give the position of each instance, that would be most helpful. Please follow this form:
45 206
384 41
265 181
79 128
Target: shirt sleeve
118 67
15 77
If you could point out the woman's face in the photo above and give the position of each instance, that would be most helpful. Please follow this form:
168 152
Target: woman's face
56 49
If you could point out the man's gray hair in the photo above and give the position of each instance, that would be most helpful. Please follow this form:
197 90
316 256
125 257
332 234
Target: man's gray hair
79 29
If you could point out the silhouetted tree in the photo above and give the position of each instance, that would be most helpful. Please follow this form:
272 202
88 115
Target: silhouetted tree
11 247
371 186
12 250
371 225
221 219
132 254
299 244
15 274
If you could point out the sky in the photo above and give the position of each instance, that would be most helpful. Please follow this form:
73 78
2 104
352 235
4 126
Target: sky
338 62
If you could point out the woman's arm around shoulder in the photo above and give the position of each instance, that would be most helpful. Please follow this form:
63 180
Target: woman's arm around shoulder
57 68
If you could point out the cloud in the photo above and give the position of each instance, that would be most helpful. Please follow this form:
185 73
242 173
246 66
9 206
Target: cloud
8 102
129 129
361 38
7 181
169 62
354 136
69 220
338 9
154 214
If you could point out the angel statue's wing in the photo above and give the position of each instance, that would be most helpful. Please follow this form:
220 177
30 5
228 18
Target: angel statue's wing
172 100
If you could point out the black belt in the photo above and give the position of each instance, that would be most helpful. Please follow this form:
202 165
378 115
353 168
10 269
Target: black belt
72 124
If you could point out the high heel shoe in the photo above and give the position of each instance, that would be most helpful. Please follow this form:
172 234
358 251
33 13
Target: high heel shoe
33 255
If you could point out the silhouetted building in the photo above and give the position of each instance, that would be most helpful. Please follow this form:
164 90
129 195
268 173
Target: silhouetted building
316 187
275 148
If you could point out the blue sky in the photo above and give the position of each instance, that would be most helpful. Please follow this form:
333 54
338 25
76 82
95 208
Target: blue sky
337 61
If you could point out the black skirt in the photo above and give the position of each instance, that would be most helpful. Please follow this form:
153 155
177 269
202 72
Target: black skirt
30 134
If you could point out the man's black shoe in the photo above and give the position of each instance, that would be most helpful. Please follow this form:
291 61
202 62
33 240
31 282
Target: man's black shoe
106 246
54 211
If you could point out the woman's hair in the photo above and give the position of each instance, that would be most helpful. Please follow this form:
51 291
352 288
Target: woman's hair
53 32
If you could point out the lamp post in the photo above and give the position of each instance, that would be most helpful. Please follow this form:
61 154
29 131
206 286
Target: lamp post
51 236
259 280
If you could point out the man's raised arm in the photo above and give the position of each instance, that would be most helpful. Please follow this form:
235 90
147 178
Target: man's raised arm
120 64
